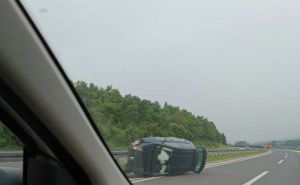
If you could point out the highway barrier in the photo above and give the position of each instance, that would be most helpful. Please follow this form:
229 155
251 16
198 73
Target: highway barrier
11 154
122 154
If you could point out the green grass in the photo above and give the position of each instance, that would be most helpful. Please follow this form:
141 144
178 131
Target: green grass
122 163
221 157
211 145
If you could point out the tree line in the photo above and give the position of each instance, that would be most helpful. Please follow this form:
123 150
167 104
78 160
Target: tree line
292 144
124 119
8 141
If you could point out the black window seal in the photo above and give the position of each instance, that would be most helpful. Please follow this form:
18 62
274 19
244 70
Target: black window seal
29 146
19 132
46 136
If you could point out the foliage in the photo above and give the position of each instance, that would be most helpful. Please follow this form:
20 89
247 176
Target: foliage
8 141
293 144
124 119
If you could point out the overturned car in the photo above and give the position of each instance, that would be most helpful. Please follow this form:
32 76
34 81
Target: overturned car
165 156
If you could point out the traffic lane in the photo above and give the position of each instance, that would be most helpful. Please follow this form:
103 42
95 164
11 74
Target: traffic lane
286 172
11 162
229 174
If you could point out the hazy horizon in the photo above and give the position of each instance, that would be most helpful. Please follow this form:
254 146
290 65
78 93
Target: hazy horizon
234 62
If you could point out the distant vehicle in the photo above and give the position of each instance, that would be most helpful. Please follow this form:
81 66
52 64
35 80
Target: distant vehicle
165 156
269 146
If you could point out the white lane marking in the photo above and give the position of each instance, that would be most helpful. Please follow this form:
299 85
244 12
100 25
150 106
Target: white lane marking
134 179
256 178
281 161
294 151
224 163
144 180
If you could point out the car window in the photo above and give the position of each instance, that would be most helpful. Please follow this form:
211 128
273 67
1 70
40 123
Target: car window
10 157
185 92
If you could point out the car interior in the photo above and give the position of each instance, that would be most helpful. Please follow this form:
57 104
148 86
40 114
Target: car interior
40 107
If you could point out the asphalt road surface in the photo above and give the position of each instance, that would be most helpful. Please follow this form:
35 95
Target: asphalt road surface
11 163
276 168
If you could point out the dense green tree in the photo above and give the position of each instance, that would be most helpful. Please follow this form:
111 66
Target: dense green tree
123 119
8 141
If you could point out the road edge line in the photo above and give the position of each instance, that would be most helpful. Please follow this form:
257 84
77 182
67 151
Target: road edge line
256 178
151 178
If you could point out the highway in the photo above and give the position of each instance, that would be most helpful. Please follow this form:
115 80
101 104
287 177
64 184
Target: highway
11 163
276 168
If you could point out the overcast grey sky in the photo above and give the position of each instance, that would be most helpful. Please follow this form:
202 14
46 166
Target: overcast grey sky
235 62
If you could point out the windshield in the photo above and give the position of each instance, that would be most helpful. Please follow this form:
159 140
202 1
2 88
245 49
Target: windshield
185 92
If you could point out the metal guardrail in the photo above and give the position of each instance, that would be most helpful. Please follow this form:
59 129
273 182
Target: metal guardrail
121 154
225 151
11 154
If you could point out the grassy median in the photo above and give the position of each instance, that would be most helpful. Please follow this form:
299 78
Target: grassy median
222 157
